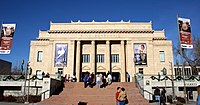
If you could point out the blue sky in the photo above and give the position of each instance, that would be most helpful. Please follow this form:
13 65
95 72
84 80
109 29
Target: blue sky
34 15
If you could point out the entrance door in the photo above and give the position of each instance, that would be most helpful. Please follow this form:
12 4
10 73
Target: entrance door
190 95
115 76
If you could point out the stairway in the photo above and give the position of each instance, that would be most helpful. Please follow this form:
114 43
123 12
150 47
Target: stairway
73 93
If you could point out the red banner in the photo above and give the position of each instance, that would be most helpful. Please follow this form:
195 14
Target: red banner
185 33
6 38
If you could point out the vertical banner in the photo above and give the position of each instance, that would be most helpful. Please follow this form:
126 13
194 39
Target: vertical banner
185 33
61 55
7 32
140 54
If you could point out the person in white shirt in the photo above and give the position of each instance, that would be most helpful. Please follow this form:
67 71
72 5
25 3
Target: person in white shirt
109 79
98 80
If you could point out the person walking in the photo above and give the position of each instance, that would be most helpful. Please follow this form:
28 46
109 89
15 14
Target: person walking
157 94
122 97
163 97
85 80
98 80
198 97
90 80
104 81
128 77
117 95
109 79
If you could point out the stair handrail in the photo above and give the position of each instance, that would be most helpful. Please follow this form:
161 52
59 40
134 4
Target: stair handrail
44 93
142 90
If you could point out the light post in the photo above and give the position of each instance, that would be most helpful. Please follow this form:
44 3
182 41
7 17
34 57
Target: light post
165 73
22 67
173 93
185 93
134 64
28 72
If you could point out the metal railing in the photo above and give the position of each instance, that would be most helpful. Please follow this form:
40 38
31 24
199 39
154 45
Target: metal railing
142 90
44 94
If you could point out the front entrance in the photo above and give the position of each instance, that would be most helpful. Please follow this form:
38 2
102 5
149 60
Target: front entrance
116 77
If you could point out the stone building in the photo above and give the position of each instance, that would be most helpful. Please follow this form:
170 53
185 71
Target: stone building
101 47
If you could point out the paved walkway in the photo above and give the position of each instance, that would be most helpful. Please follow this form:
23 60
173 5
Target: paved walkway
9 103
189 103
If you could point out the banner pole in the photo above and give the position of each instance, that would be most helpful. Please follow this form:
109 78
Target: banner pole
1 31
183 69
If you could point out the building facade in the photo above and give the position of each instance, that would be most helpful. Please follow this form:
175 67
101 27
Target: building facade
100 47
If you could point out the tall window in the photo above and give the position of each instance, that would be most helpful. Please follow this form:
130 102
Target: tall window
178 71
100 58
115 58
86 58
39 56
162 56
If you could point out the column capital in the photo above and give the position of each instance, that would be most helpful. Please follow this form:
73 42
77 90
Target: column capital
129 42
78 42
72 42
122 41
92 42
107 42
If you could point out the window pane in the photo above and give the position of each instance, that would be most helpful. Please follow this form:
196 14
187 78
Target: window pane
162 56
86 58
39 56
115 58
100 58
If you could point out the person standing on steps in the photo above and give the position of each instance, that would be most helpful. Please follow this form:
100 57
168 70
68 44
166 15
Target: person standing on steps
123 97
98 80
163 97
117 95
109 79
198 96
85 80
103 81
157 94
128 77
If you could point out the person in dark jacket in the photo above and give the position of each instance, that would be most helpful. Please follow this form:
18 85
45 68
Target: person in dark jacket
85 79
163 97
157 94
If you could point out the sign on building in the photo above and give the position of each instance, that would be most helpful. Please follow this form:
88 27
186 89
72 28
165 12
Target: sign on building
61 55
140 54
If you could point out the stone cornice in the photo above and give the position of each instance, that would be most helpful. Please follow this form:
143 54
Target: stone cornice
159 38
42 39
99 31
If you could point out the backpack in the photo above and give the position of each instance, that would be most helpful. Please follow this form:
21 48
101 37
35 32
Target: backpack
126 101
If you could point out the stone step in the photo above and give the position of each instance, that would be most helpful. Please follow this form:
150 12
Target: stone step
73 93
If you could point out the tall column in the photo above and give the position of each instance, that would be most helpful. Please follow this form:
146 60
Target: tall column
108 55
93 55
129 58
78 60
123 73
73 57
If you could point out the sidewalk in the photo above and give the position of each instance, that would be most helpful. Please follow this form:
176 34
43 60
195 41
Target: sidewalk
189 103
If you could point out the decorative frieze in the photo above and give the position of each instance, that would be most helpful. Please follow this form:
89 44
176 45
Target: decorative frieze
98 31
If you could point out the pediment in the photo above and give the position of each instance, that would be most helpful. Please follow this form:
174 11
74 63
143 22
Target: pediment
86 68
116 68
101 68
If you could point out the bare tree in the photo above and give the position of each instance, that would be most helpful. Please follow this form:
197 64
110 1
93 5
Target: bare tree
191 56
16 70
